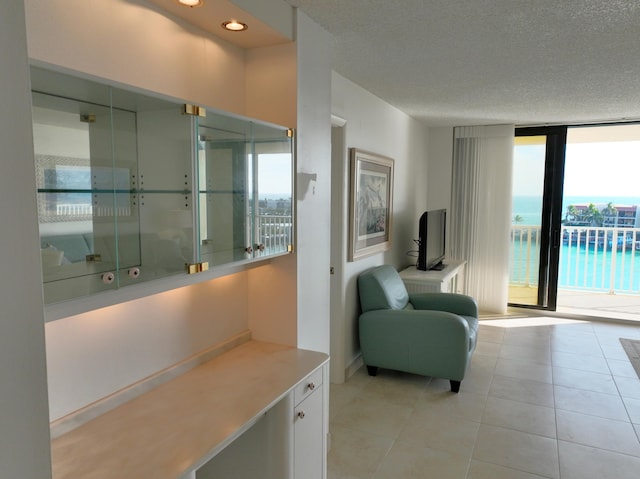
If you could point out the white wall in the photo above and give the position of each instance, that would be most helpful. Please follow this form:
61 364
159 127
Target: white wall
270 80
92 355
440 168
373 125
339 210
130 42
271 75
313 189
24 430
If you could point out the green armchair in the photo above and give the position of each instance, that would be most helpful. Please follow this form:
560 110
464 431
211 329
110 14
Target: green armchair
431 334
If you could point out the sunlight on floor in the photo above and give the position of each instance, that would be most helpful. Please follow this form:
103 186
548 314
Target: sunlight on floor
586 303
527 322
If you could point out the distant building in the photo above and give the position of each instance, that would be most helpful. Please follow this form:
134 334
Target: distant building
275 206
623 216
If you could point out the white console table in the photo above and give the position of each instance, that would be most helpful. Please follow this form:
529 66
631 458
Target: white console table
447 280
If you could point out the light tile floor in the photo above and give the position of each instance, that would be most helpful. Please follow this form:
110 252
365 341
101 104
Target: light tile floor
544 398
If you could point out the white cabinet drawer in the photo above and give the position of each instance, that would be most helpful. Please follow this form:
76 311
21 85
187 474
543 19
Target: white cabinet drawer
307 386
308 449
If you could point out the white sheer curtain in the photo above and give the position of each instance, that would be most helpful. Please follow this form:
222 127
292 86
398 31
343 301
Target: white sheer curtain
480 218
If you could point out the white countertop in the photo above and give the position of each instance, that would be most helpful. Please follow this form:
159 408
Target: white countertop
175 427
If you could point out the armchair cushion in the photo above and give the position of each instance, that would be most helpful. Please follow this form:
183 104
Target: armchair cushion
382 288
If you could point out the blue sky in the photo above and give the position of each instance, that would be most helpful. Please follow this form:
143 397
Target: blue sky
274 173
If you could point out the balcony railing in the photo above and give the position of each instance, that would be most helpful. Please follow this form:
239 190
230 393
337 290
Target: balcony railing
275 232
591 258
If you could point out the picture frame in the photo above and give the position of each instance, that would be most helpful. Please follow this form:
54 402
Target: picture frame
371 203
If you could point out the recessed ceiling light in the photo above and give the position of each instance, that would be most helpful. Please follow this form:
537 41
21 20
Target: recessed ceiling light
235 26
191 3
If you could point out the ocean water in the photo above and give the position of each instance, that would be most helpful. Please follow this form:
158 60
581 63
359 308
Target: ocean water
581 266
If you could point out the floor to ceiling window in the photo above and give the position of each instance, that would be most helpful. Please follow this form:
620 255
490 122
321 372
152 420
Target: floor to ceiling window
576 222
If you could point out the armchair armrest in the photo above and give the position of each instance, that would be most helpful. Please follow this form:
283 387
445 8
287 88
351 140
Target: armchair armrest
453 303
410 324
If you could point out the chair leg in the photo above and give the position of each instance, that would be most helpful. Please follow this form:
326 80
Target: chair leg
455 386
372 370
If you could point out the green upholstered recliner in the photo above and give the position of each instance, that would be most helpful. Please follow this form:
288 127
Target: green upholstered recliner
431 334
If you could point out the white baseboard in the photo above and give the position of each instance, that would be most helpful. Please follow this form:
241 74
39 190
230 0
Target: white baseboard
353 366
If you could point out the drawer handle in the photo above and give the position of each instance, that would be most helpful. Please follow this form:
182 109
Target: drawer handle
311 386
301 414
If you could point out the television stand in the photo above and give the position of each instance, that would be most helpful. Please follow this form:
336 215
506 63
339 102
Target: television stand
446 280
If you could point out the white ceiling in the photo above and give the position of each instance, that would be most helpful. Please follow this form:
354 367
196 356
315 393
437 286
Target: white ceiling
461 62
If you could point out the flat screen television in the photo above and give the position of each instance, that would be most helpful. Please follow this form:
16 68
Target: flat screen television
431 241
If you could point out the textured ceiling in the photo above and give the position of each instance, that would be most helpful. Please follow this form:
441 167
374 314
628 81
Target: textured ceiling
461 62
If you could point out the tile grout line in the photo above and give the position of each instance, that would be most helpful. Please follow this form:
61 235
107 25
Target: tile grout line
484 408
555 410
613 377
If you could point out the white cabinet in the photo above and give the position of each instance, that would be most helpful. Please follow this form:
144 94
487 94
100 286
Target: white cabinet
273 440
308 428
308 446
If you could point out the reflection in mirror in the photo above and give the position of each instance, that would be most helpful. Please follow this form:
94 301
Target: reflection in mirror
116 172
223 182
245 189
85 155
114 183
65 179
273 223
165 188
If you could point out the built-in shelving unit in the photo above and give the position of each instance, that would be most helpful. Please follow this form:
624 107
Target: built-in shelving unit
134 187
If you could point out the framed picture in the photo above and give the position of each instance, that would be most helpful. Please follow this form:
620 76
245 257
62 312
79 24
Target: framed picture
371 199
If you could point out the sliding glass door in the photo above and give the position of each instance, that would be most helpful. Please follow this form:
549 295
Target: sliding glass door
538 172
